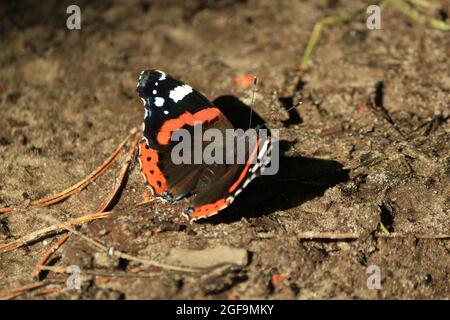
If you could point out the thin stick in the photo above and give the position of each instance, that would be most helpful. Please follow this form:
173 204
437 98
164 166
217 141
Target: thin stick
145 202
6 210
47 255
83 183
154 263
401 5
76 187
417 236
311 235
122 175
46 231
10 297
15 292
317 33
94 273
419 17
104 205
99 246
46 291
126 256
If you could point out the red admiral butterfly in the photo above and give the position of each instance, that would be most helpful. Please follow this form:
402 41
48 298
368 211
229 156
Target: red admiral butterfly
171 105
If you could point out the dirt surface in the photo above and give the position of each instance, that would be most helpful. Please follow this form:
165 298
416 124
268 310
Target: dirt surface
67 99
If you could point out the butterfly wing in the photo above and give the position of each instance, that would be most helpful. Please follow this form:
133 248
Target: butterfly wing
221 184
171 105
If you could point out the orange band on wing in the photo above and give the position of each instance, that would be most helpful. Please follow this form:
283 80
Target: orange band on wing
209 209
247 166
187 118
149 167
206 210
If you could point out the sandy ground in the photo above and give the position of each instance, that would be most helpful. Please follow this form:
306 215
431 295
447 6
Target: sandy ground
67 98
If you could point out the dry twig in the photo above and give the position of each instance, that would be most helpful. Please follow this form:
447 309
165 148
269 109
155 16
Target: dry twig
38 234
76 187
105 204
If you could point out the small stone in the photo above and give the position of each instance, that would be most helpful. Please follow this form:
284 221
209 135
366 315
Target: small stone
210 257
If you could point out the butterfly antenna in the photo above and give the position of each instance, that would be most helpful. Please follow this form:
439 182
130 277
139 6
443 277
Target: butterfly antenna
255 82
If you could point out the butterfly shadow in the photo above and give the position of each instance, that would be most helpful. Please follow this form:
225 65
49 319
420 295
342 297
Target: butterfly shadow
298 179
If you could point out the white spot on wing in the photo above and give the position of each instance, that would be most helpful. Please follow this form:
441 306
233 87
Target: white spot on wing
180 92
166 112
159 102
163 75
